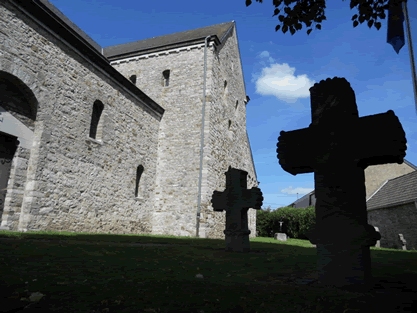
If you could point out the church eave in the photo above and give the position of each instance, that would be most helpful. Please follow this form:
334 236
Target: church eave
115 56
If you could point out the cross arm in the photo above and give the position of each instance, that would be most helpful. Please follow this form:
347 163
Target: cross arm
252 198
219 200
294 150
380 140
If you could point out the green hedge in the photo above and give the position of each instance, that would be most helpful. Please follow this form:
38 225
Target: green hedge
296 222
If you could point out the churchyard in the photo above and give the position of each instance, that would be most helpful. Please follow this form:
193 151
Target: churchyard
80 272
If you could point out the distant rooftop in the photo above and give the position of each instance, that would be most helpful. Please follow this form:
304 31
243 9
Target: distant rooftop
194 36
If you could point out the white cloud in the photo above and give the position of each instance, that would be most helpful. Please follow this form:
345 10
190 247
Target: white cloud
279 80
263 55
301 191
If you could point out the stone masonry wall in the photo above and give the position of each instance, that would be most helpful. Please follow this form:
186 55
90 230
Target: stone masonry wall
228 144
75 183
392 221
176 189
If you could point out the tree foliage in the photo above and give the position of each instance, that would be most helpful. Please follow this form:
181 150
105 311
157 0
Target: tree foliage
309 11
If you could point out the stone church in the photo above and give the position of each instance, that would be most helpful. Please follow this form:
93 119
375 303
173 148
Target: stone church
127 139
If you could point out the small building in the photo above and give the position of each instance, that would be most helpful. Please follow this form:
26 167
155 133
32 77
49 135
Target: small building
391 195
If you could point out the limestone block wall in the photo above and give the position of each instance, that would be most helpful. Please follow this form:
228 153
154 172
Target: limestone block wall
228 142
74 183
396 220
376 175
176 189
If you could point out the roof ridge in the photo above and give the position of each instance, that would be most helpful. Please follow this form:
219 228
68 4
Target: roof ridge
375 192
171 34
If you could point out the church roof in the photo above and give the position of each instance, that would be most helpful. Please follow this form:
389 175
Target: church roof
171 41
395 191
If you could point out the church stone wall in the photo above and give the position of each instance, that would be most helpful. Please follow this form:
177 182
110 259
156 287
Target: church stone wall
176 190
74 183
392 221
227 145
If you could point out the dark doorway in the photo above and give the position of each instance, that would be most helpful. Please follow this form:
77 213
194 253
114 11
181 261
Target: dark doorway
8 145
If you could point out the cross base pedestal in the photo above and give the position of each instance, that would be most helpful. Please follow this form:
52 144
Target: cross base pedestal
237 241
344 260
344 266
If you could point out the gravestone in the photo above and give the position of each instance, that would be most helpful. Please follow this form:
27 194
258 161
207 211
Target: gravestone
378 243
337 147
281 236
236 200
403 242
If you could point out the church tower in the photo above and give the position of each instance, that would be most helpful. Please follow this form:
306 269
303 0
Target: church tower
197 77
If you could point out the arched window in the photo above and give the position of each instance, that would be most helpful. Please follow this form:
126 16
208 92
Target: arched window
139 172
165 78
96 126
133 79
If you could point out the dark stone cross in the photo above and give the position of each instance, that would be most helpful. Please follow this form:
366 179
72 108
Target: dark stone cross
337 147
236 200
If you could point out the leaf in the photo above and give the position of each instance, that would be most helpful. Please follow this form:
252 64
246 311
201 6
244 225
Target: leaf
355 23
354 17
361 19
292 30
309 31
285 29
276 11
370 23
287 10
378 25
281 18
298 26
277 27
318 26
248 2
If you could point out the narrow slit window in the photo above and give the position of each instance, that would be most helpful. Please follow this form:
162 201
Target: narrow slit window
139 172
96 121
165 77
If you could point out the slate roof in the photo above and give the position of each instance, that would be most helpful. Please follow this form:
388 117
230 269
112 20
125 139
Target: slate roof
302 198
175 40
395 191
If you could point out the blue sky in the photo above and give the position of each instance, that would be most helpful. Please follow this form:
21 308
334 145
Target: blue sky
278 68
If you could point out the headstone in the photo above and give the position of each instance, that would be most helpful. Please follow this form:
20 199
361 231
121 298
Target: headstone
281 236
378 242
403 242
340 146
236 200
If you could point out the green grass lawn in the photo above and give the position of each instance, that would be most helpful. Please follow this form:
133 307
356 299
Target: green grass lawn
194 275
